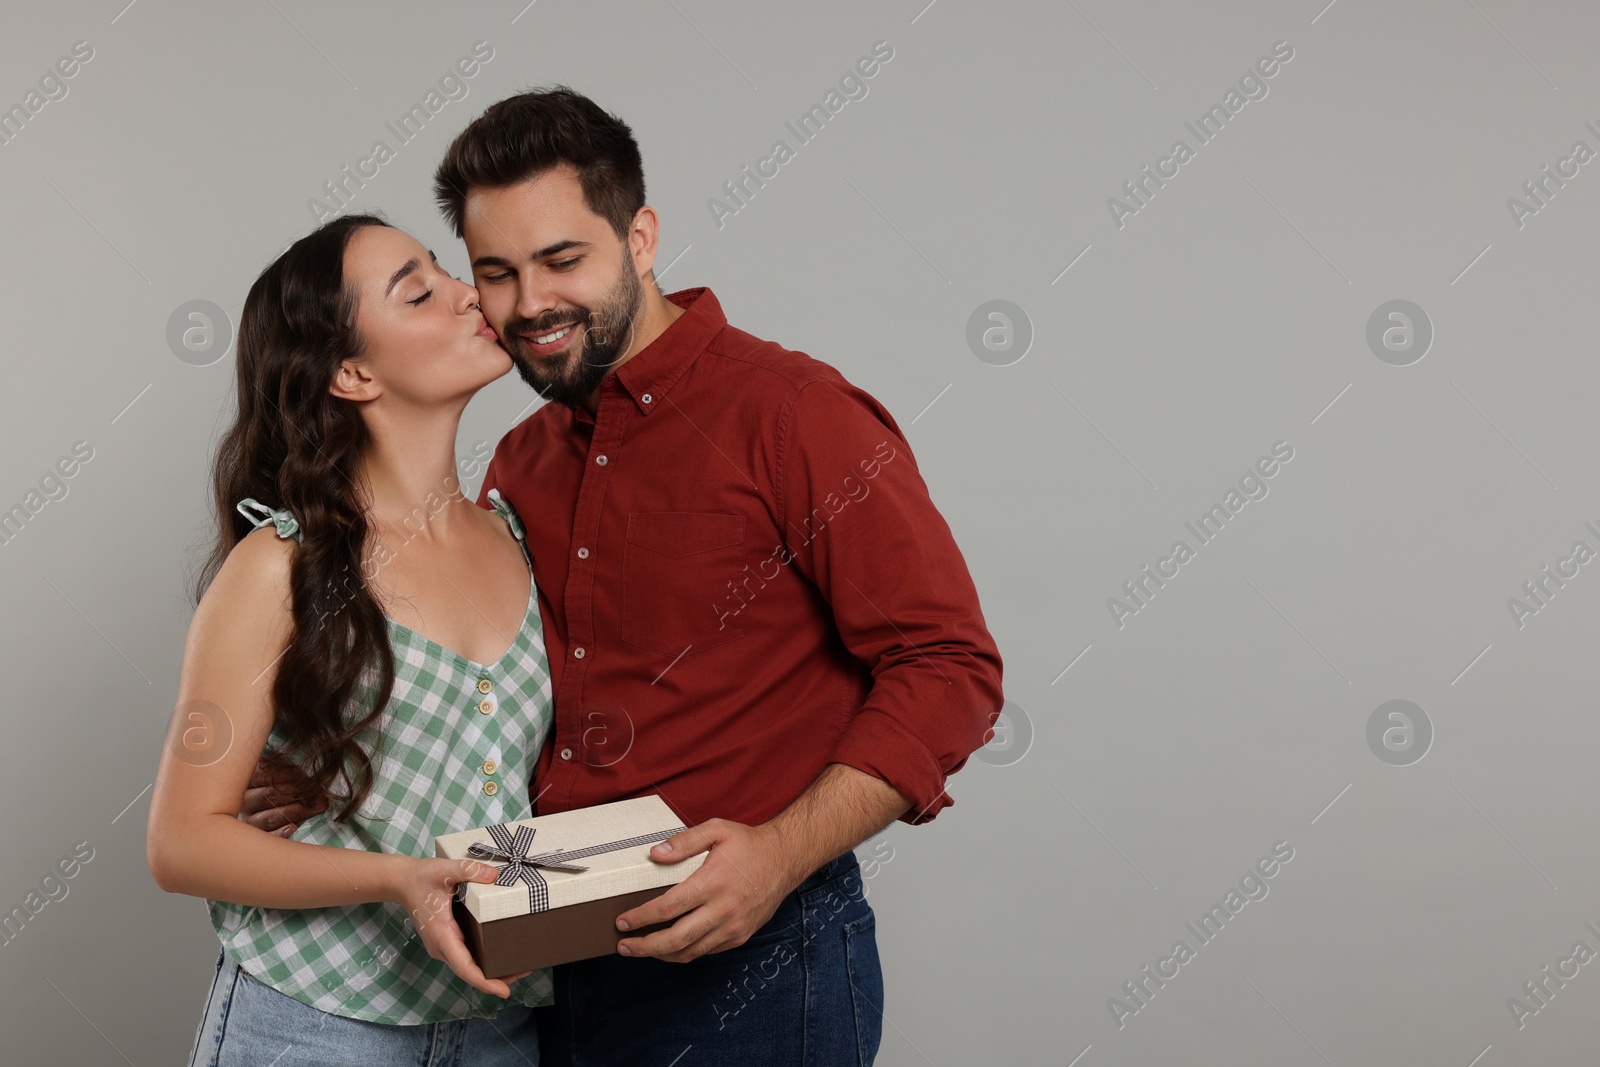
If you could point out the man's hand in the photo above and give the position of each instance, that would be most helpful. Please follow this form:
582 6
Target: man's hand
731 896
752 868
268 806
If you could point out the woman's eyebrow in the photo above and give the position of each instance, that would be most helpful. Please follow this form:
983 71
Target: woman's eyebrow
410 267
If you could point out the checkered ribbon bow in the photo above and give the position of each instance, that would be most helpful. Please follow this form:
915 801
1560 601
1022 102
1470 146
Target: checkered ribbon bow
511 849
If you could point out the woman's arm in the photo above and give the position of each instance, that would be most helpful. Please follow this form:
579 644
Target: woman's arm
195 844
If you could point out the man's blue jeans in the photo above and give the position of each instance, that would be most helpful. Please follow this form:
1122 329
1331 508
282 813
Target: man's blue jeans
805 990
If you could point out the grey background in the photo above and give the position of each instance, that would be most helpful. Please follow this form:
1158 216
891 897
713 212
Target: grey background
1228 314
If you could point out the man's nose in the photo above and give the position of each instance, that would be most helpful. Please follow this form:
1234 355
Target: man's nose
536 302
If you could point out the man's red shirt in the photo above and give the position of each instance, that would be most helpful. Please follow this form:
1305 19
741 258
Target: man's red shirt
742 579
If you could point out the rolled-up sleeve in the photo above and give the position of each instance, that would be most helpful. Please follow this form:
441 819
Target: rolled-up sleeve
858 519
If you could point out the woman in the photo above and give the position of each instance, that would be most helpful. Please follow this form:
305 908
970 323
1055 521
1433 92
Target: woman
357 354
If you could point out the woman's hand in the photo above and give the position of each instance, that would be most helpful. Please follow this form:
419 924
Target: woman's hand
425 888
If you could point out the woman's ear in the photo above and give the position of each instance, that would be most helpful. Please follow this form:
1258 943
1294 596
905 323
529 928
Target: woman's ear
352 381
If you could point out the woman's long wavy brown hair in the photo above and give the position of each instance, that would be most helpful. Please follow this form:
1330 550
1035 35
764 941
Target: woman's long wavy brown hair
294 445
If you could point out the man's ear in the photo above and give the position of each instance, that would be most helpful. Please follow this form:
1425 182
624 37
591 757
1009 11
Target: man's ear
642 238
353 382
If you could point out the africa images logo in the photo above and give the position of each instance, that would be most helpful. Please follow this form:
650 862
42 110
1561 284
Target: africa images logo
452 87
1253 486
852 86
1252 86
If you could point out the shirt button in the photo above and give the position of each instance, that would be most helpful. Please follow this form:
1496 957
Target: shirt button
490 766
566 753
484 685
578 653
647 398
583 553
485 706
491 788
600 460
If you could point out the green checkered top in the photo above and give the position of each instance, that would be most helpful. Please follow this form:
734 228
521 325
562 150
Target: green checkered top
453 751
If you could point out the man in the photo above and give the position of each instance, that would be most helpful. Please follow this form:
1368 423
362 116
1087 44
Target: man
750 605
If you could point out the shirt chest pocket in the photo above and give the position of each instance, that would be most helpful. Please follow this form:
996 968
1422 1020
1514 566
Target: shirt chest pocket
676 570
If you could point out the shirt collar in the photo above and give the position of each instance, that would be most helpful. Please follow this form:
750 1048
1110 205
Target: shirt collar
652 372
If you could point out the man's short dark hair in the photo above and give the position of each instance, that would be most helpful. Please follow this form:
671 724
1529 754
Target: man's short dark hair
524 136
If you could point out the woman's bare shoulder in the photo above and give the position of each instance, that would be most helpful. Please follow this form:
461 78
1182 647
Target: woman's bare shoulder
238 633
253 580
263 558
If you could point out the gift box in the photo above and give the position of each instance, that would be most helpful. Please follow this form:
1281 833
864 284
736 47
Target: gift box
564 879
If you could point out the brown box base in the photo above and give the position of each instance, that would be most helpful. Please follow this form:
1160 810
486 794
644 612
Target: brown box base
546 938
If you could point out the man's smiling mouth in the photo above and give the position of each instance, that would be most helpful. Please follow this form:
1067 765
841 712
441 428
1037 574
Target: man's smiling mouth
544 339
553 341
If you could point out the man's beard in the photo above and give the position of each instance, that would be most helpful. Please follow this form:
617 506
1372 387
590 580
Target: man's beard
569 376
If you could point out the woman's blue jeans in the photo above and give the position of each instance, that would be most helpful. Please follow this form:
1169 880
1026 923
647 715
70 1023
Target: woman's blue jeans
805 990
249 1024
